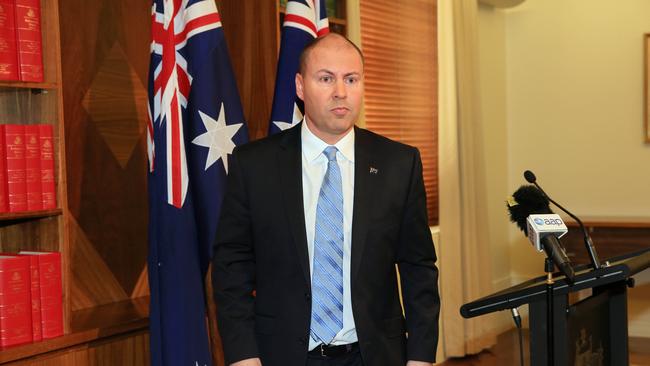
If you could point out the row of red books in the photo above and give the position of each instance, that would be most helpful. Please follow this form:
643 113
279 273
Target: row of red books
21 46
31 301
27 168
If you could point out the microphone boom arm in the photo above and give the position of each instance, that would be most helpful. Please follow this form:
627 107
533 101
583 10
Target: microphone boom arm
593 255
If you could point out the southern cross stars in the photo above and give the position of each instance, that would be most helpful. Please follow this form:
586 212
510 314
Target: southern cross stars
217 138
297 117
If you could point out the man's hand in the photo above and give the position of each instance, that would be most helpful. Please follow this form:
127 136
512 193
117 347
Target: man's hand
418 363
251 362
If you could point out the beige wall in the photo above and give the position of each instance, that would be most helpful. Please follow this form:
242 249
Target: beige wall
574 90
562 94
573 105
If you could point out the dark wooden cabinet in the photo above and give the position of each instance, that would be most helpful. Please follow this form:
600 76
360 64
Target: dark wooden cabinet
612 236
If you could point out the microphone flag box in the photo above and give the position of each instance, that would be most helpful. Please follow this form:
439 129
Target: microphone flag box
540 226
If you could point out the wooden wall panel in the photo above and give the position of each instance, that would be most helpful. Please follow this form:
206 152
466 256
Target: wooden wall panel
251 29
105 54
92 281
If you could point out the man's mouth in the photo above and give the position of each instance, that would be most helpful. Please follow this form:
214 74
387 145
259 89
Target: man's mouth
340 111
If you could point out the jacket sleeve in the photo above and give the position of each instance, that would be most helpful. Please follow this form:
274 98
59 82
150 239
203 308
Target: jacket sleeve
418 272
233 270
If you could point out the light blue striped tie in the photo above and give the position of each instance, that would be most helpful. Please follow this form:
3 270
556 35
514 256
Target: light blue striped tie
327 279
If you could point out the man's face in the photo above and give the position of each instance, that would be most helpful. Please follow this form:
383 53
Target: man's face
332 88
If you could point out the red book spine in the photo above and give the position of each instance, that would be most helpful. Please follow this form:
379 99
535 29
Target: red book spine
8 47
4 198
15 150
33 168
47 166
49 265
28 38
36 297
15 301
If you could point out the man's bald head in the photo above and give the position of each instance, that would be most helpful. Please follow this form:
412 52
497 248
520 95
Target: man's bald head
330 83
330 38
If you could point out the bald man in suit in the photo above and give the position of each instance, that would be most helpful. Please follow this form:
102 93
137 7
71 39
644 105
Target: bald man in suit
314 220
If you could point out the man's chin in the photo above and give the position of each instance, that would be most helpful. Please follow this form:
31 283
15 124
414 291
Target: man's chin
341 130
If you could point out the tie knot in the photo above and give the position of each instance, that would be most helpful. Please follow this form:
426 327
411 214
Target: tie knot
330 153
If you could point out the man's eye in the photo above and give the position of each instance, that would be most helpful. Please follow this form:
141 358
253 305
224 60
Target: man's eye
326 79
351 80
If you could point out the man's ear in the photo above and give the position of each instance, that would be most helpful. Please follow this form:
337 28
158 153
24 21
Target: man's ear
299 86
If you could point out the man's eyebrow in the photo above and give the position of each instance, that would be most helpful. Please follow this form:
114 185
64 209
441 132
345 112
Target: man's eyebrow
352 73
325 71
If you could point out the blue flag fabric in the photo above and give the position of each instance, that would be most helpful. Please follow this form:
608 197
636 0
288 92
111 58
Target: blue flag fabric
304 21
195 121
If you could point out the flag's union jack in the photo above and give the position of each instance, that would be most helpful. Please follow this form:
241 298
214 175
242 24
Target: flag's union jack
308 16
304 21
172 26
196 119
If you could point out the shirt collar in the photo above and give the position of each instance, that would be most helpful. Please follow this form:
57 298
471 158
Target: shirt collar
312 146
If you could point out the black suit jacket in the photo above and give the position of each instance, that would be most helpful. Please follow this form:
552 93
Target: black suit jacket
261 267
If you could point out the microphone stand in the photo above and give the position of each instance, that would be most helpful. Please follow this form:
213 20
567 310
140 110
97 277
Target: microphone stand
589 244
548 268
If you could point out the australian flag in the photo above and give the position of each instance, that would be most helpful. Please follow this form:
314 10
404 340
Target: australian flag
195 121
304 20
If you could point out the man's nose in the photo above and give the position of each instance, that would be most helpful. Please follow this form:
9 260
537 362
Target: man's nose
340 91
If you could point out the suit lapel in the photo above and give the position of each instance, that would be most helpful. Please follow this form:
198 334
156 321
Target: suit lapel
364 188
290 167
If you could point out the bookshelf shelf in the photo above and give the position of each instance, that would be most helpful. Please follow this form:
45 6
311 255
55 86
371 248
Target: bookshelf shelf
23 85
88 325
15 216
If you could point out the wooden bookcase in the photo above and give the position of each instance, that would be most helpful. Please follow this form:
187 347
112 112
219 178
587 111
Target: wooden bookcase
104 332
34 103
39 103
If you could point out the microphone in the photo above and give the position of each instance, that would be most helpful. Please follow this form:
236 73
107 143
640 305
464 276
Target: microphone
530 210
593 255
539 226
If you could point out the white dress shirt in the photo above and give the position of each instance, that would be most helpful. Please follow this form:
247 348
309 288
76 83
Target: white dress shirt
314 166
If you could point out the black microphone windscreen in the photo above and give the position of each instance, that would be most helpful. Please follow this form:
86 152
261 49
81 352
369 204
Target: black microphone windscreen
527 200
530 176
